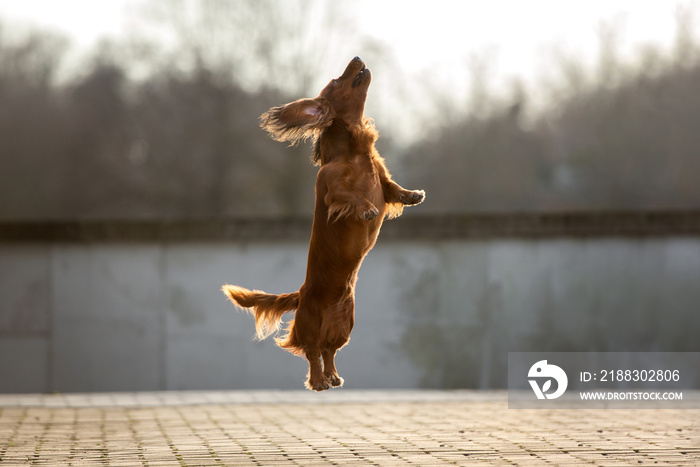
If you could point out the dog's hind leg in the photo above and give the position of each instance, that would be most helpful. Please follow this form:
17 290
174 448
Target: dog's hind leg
316 381
329 370
336 331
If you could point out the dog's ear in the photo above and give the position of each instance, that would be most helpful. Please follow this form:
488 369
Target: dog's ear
297 120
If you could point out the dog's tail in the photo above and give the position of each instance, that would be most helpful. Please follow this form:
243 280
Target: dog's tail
266 308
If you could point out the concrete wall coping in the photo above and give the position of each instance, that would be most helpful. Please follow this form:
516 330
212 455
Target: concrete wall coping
650 223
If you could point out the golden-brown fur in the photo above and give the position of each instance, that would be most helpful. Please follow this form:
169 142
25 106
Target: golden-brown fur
354 194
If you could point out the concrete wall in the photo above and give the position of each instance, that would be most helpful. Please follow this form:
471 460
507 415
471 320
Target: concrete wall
149 315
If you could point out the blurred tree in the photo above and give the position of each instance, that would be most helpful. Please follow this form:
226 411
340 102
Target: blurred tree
622 137
147 130
479 164
181 139
209 154
632 146
92 167
257 43
31 123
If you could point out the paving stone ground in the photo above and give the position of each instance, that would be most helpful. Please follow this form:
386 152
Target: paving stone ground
340 427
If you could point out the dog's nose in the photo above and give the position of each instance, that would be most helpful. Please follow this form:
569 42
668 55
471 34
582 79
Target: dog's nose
357 59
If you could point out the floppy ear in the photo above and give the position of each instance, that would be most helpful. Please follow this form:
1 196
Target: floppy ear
297 120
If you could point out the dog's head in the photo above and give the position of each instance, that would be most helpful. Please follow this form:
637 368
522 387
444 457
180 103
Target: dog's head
343 99
347 93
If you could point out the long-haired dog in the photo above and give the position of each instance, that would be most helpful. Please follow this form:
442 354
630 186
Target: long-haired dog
354 193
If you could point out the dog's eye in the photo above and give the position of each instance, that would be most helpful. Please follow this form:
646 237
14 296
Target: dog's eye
335 82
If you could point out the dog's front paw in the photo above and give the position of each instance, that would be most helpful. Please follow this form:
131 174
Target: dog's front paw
412 197
370 214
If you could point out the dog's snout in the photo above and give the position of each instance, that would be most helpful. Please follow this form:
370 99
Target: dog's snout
358 60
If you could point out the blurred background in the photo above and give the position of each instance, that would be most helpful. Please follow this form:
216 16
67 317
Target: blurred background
146 111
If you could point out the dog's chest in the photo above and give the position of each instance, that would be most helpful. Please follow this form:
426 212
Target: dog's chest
365 170
373 188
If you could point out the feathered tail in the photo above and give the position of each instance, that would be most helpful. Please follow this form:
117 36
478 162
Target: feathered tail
266 308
